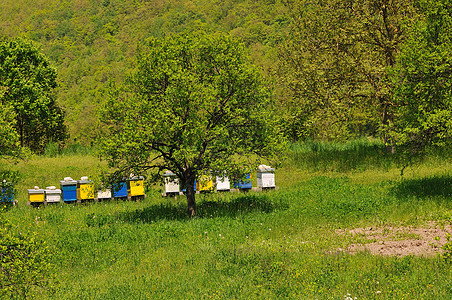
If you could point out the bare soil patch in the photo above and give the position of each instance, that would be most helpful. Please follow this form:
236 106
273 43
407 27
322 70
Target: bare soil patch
398 241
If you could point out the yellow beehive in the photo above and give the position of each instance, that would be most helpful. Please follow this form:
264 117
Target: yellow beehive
136 186
36 195
85 189
204 184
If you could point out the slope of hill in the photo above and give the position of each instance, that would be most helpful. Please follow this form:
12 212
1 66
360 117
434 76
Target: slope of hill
93 42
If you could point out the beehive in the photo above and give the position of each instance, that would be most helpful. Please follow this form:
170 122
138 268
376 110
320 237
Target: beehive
204 184
120 189
171 183
7 192
52 194
265 177
244 184
104 195
223 183
85 189
68 189
36 195
136 186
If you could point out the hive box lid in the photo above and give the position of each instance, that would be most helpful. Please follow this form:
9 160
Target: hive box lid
68 182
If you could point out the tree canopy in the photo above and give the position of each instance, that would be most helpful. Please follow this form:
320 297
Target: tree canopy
335 62
27 83
195 106
423 80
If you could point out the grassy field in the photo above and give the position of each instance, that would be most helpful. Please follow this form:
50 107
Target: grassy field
269 245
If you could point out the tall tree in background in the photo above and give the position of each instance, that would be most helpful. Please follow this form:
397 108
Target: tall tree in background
27 83
423 80
194 106
335 64
9 140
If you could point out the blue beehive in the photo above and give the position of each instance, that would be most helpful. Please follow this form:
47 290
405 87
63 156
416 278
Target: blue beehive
69 189
7 194
244 184
120 190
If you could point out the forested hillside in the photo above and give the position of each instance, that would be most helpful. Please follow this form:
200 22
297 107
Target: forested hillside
339 69
93 42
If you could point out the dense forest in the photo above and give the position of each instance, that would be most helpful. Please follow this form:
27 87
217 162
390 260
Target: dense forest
93 42
339 69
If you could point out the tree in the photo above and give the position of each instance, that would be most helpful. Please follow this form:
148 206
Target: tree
27 83
194 106
335 63
9 140
423 80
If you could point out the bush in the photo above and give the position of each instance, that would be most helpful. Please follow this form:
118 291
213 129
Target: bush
24 264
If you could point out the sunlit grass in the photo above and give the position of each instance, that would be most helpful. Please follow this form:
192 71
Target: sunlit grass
256 245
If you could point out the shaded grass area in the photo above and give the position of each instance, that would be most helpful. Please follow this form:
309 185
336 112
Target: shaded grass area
434 186
357 155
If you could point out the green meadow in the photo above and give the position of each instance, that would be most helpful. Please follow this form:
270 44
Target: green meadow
280 244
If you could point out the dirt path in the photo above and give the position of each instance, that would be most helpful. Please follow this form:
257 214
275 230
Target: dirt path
398 241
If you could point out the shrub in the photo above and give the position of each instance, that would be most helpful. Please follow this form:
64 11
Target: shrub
24 264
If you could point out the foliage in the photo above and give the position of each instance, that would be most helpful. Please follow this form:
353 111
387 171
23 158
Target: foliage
195 106
27 83
9 140
334 62
423 82
447 248
92 42
24 263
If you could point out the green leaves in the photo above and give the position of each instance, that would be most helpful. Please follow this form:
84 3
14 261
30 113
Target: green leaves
195 105
27 82
334 64
24 264
422 80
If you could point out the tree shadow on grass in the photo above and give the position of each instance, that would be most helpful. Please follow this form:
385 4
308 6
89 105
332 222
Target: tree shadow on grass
437 186
206 209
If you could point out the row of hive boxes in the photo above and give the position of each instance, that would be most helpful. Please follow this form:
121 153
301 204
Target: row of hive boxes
73 190
265 179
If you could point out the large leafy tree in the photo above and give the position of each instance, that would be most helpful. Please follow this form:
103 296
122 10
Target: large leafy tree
194 106
335 63
423 80
27 83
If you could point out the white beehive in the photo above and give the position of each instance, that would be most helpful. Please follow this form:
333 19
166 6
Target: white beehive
53 195
171 183
223 184
104 195
265 177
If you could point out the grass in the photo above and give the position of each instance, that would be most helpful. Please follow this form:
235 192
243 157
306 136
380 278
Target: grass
271 245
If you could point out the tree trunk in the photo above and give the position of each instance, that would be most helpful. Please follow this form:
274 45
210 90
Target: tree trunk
385 122
190 194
